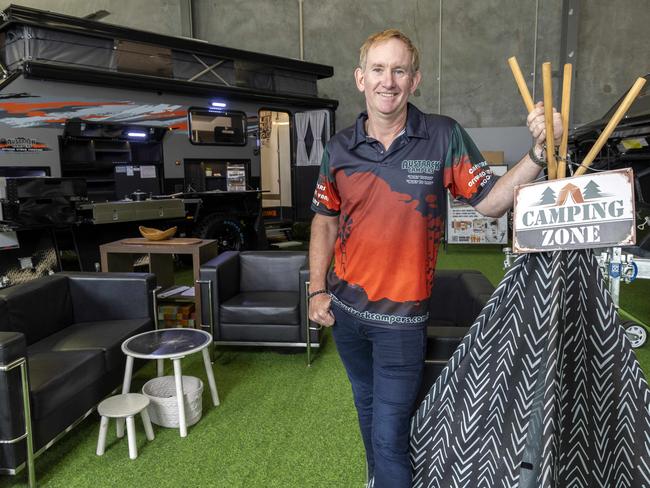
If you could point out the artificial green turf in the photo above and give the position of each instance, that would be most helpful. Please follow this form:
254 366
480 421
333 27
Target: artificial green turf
634 299
279 424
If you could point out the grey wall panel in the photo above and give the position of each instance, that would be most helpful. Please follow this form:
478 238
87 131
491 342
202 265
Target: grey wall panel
513 141
549 33
335 30
478 37
614 49
252 25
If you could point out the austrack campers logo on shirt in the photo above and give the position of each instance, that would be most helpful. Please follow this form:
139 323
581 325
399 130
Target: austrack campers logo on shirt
575 213
420 171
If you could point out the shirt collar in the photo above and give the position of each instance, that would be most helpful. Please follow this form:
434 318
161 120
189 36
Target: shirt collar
416 126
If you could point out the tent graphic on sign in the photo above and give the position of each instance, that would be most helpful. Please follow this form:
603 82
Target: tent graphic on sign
572 191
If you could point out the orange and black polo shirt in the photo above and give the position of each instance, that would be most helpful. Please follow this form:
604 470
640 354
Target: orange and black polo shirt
391 208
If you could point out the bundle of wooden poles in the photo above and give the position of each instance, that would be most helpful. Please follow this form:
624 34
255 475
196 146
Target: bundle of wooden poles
557 167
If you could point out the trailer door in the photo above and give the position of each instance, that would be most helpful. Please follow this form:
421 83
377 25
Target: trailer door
275 164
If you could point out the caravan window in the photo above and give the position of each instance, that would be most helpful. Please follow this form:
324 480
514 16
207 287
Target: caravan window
216 127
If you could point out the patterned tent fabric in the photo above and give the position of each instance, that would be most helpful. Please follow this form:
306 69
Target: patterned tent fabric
544 391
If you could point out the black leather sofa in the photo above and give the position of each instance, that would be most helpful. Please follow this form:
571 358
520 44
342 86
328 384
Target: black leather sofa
457 298
259 299
69 327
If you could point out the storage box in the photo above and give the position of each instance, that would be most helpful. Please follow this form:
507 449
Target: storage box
176 315
493 157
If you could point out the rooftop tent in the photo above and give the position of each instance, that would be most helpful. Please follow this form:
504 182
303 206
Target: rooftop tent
44 44
48 45
544 391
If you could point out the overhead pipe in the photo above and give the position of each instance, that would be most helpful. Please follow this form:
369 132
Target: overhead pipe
534 72
302 30
187 20
439 54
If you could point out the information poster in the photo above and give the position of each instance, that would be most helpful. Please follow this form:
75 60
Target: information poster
466 226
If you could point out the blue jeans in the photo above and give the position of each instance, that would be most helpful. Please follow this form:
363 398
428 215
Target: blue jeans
385 370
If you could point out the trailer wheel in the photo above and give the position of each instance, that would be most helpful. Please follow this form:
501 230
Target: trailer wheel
635 332
227 232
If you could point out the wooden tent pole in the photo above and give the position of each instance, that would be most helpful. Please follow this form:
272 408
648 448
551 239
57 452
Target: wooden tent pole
521 84
548 117
566 107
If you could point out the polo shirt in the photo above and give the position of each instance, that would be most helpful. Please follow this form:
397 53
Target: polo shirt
391 211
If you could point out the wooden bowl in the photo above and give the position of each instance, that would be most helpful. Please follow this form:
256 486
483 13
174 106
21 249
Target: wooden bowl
155 234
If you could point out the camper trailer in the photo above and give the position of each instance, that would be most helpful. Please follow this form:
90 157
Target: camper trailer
105 128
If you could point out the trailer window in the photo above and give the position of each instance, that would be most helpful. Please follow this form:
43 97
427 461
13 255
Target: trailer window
216 128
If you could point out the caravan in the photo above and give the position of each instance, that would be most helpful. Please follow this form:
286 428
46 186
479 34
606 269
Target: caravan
104 128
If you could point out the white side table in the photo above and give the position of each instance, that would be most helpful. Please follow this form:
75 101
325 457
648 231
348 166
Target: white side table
119 407
172 344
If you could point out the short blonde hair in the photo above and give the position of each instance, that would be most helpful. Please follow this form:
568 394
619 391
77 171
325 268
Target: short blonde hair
384 36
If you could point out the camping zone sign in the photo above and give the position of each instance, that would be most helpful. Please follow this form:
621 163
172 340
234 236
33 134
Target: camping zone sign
595 210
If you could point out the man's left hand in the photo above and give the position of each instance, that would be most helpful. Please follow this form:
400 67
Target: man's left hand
537 124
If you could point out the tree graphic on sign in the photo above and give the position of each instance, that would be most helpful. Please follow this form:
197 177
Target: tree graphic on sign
548 197
592 190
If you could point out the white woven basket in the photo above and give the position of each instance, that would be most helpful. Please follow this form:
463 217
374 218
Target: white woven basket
163 407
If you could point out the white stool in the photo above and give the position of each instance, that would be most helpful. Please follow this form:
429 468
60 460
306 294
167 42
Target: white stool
124 406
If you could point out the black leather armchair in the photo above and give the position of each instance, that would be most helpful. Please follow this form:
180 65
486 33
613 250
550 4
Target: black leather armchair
457 298
64 334
259 298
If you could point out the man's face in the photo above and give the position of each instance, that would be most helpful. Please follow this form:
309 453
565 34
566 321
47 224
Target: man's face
388 79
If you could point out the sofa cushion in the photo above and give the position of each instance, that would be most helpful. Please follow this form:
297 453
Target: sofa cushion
440 323
447 331
458 296
262 307
443 304
259 333
479 288
442 342
55 377
106 336
38 308
12 347
441 348
110 296
271 270
4 315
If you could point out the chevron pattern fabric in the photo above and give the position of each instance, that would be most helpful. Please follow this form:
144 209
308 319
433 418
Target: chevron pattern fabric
544 391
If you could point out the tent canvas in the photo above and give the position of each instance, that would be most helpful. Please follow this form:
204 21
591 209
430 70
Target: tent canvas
544 391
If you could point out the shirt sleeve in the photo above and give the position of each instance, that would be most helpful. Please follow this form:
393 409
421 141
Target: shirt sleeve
326 199
467 174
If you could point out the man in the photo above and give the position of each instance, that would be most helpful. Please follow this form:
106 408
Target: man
380 212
